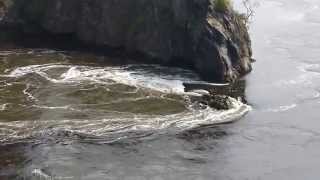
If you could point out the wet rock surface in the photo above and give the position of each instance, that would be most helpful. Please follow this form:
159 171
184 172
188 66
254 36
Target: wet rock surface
171 32
219 102
217 96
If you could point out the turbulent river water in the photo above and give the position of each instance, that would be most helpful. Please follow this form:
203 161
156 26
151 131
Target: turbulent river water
72 115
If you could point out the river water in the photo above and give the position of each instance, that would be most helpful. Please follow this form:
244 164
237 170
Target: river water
72 115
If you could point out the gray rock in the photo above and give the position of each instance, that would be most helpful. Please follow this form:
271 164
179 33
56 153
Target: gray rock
172 32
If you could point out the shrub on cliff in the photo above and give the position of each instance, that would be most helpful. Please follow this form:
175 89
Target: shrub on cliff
222 5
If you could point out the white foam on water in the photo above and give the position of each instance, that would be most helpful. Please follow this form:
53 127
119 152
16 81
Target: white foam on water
3 107
27 51
28 94
6 53
166 84
67 107
144 77
282 108
189 119
41 175
308 73
106 75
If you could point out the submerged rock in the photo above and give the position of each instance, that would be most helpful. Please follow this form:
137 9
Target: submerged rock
215 101
219 96
185 33
219 102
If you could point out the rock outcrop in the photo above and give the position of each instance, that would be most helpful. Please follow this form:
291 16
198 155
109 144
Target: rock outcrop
171 32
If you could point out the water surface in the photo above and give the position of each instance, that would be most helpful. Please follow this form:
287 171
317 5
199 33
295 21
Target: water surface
71 115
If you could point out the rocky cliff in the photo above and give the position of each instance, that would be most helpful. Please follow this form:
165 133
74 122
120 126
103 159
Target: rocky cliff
173 32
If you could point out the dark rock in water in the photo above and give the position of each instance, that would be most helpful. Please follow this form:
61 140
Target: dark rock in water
185 33
219 102
190 86
219 94
235 89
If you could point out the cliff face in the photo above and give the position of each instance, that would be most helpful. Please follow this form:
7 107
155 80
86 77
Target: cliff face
179 32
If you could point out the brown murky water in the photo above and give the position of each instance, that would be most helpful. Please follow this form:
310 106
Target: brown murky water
69 115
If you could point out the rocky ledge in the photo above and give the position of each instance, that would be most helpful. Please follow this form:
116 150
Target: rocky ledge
185 33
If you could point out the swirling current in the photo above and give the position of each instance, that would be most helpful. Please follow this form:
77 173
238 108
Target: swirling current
47 93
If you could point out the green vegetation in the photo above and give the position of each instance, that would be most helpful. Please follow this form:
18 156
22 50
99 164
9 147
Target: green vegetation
222 5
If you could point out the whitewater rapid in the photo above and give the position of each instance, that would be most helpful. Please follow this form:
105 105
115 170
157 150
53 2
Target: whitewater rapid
161 81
